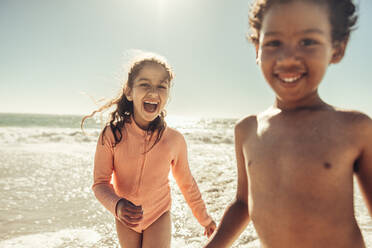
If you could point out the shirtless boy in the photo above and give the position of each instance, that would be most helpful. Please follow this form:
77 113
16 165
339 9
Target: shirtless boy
297 159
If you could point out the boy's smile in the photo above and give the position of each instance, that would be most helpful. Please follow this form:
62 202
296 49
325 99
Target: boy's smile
294 51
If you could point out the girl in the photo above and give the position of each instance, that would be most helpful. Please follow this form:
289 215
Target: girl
138 150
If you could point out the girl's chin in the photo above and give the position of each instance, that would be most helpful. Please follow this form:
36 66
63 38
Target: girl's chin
146 117
149 117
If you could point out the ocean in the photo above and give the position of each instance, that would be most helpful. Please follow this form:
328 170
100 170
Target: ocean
46 166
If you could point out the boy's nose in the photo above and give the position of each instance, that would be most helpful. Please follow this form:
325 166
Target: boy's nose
288 55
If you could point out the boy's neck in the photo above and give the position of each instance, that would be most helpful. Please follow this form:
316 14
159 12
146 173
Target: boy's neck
311 103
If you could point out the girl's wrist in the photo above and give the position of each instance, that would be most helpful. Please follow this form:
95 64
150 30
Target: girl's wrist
117 204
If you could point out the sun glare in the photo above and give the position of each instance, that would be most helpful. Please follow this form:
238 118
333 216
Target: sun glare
161 5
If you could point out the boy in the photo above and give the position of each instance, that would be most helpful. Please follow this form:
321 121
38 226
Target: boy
296 160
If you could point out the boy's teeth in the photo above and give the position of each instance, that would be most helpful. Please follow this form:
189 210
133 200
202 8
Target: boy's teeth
291 79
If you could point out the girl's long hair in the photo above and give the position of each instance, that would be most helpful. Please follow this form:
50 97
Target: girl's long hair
124 108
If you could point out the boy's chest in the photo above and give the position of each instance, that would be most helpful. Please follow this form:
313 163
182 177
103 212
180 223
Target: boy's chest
300 151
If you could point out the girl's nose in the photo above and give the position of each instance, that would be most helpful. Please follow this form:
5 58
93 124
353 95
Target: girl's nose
153 90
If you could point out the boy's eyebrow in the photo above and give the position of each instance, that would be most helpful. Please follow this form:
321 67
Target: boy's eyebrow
272 33
306 31
311 30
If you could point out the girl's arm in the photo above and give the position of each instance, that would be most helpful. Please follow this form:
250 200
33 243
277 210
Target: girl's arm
236 217
103 169
121 208
186 182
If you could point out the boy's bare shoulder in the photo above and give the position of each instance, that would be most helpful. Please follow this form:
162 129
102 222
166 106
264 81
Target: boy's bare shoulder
250 122
355 118
356 123
246 125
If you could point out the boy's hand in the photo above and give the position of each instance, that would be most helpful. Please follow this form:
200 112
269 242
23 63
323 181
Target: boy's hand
128 213
210 229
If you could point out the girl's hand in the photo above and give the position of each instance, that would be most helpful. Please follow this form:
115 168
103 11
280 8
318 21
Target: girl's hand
210 229
128 213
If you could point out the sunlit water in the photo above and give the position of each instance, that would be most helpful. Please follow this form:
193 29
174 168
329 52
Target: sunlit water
46 177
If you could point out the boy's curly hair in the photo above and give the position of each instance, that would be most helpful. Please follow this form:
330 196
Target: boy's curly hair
342 14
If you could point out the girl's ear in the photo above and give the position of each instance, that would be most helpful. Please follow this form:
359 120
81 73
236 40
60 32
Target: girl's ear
128 94
257 47
338 51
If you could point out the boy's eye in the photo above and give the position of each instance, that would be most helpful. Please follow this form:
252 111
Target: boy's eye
273 43
308 42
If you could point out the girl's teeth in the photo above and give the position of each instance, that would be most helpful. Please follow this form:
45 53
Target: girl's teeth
150 106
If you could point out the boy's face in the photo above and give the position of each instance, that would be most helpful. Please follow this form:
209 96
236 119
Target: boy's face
295 49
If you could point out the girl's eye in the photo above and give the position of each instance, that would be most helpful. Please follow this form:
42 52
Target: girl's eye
163 87
273 43
308 42
143 85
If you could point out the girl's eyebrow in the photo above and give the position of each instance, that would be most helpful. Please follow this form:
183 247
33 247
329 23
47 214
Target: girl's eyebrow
143 79
165 80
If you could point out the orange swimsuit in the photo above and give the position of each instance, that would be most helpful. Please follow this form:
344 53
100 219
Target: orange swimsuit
142 178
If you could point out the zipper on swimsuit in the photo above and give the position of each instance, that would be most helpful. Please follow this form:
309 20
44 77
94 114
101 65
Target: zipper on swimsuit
142 171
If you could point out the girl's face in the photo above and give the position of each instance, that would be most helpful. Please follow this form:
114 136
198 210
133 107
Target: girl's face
149 94
294 50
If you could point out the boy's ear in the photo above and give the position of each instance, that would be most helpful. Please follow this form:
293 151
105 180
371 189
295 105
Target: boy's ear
256 46
338 51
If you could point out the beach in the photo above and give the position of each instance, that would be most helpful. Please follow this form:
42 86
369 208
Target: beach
46 166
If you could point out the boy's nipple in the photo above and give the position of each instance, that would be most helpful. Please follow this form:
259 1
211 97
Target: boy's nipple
327 165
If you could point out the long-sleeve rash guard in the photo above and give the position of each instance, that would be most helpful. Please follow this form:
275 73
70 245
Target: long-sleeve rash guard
140 175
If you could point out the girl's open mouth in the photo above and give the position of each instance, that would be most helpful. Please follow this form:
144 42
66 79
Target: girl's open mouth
150 106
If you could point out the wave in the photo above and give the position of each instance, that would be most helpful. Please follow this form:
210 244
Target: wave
207 131
62 238
210 136
47 120
42 136
46 135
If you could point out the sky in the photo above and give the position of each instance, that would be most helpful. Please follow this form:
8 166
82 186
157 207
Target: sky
56 56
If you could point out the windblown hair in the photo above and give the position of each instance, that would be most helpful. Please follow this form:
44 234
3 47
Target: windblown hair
342 16
124 108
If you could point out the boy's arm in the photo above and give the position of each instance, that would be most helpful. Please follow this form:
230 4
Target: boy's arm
364 172
236 217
